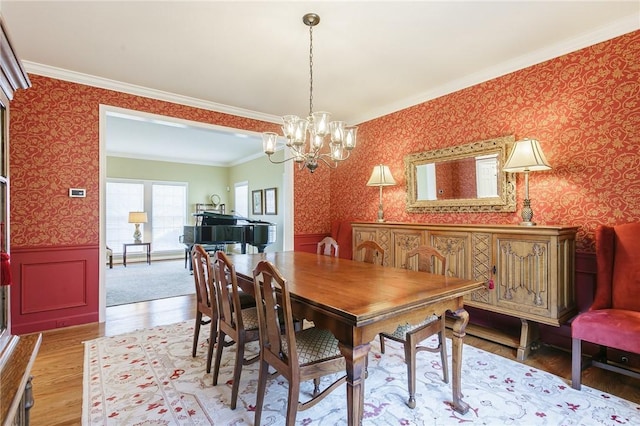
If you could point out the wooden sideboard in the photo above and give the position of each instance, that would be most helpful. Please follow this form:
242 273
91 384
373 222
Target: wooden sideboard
532 268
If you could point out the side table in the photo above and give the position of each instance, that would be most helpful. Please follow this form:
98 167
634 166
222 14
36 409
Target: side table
124 251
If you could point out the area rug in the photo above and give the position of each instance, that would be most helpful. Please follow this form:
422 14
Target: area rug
139 282
149 378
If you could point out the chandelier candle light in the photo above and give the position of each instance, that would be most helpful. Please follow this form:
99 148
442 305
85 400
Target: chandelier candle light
316 128
381 176
526 156
137 218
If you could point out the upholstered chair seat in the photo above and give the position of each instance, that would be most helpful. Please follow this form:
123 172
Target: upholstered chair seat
402 330
314 344
250 318
613 320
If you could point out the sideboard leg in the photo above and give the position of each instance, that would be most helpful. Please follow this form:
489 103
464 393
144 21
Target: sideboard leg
529 335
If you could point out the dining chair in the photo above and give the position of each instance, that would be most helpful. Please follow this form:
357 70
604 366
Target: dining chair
425 259
298 356
238 323
369 251
612 322
206 306
328 246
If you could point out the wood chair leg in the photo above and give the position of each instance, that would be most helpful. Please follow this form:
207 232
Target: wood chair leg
237 371
576 363
410 360
292 405
262 386
381 343
216 365
442 336
196 333
212 341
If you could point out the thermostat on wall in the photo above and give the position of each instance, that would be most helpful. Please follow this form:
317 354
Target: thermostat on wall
77 192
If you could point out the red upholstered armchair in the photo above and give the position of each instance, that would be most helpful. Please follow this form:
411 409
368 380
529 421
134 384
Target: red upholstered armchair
613 320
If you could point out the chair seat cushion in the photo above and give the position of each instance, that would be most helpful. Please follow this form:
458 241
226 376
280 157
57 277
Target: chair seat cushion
250 318
402 330
614 328
314 345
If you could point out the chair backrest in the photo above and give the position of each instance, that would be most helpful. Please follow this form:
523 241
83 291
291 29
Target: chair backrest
205 294
273 301
369 251
226 286
328 246
618 267
426 259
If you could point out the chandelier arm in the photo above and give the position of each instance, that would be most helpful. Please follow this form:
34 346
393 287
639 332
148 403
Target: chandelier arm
333 159
279 162
333 164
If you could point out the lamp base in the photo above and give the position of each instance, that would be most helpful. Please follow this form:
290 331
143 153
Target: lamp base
137 235
527 213
380 212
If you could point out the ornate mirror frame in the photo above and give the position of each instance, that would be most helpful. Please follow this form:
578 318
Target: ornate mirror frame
504 202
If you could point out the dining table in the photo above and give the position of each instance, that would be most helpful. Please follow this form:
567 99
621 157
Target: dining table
356 301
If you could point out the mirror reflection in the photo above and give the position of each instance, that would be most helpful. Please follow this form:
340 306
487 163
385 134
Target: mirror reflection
473 177
461 178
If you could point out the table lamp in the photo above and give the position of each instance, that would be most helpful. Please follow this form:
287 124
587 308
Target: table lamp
137 218
526 156
381 176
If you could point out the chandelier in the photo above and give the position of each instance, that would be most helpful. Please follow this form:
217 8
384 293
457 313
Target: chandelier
307 137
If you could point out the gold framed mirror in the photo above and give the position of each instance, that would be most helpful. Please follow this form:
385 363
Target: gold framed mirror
462 178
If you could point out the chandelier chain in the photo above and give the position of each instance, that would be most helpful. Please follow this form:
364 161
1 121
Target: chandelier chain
306 137
310 70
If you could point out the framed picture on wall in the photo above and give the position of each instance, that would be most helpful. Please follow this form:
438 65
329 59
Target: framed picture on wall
256 201
270 201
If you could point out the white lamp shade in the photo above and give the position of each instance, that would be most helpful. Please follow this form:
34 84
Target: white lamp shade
381 176
526 156
137 217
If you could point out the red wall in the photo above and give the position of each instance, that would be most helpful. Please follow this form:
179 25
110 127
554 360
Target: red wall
54 130
583 107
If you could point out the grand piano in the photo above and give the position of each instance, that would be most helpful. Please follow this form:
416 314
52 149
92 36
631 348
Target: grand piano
214 230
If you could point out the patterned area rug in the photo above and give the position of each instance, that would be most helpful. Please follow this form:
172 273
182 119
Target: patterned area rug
149 378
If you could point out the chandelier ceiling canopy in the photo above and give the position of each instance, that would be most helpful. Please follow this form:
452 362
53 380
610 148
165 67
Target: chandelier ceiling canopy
314 138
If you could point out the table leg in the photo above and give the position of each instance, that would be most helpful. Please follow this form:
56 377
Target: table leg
124 256
356 363
149 254
462 319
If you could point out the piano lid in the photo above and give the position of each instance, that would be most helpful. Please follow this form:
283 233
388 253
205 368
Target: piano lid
211 218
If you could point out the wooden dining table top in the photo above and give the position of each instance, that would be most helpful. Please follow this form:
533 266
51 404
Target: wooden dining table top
357 300
358 292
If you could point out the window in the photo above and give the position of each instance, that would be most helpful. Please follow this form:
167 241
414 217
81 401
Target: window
169 204
242 199
165 204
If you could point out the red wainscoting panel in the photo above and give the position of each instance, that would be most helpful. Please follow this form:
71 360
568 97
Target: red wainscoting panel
53 287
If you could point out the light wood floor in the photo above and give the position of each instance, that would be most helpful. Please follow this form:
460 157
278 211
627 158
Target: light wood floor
58 369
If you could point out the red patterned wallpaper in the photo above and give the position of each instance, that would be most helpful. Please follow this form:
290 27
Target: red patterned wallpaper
584 108
55 146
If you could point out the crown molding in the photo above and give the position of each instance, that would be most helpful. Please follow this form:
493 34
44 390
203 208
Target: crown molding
618 28
104 83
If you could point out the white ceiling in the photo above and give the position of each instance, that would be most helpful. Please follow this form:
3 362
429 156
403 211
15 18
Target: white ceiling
252 58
